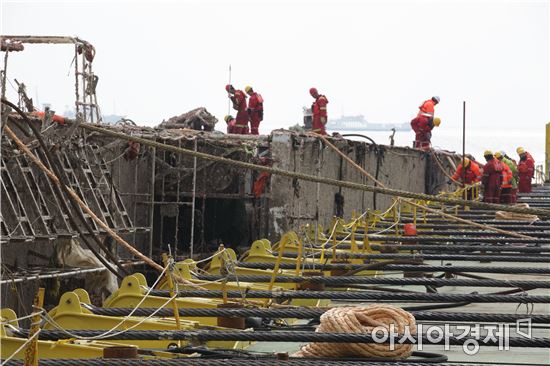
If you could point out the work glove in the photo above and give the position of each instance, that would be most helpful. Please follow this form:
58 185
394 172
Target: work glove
449 182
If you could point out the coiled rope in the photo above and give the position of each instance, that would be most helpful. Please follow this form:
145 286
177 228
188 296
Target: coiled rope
362 320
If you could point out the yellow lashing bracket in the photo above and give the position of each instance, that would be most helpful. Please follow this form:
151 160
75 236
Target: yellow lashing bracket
284 240
169 264
31 353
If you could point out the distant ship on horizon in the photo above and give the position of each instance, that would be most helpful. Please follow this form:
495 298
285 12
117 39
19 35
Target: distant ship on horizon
359 123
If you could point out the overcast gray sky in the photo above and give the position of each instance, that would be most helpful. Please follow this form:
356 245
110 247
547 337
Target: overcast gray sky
376 58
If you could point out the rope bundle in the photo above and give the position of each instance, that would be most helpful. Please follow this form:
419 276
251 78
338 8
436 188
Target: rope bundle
503 215
362 320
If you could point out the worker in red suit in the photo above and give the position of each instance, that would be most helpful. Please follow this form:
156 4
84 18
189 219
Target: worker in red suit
526 170
238 97
492 178
255 109
319 110
507 176
424 122
231 124
467 173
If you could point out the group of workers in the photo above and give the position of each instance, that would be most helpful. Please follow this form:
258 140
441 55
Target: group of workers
501 177
253 113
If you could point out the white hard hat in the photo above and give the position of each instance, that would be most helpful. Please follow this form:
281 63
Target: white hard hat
436 98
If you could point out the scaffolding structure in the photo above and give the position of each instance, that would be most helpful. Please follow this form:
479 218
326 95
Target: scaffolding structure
86 105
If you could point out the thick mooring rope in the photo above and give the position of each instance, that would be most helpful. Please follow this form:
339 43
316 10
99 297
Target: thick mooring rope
362 320
308 177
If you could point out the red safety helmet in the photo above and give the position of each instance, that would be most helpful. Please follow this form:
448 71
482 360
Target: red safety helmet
228 87
313 91
409 229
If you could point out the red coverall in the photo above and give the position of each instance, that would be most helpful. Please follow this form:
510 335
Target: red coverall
239 104
526 169
255 112
506 187
492 180
422 125
319 109
232 126
471 176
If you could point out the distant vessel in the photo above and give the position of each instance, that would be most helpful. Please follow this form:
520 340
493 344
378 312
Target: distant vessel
359 123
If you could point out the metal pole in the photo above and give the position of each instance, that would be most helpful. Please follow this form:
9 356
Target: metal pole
178 205
465 195
152 206
84 83
229 100
4 74
192 239
77 105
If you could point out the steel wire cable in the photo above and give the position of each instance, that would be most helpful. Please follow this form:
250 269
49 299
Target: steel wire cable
287 336
456 239
404 267
425 226
437 234
342 281
443 256
435 219
308 313
455 247
193 361
363 295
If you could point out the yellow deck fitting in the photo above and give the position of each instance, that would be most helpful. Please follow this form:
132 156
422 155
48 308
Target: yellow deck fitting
71 314
51 349
134 287
185 268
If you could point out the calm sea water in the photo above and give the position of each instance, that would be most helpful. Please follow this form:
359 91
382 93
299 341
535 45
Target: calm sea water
476 141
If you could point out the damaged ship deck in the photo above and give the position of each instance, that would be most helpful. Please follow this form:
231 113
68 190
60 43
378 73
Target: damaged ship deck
161 198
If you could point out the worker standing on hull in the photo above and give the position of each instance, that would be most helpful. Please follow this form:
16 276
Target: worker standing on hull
467 173
526 170
238 98
424 122
319 110
492 178
507 176
255 109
